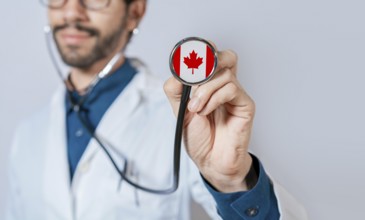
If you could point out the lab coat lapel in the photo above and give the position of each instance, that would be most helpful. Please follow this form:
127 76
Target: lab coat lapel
117 113
57 193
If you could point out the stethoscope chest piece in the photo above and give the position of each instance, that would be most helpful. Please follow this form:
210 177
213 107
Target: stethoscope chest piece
193 61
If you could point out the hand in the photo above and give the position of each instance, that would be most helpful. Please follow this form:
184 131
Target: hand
217 126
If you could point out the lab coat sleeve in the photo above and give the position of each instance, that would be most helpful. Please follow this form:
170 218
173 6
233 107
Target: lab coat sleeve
200 193
257 203
14 209
289 208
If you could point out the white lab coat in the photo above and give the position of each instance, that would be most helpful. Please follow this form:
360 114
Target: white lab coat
140 124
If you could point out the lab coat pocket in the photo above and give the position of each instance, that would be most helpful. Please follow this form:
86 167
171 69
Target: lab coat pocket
148 205
131 203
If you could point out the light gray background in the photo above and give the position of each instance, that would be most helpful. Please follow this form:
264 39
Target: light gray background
301 61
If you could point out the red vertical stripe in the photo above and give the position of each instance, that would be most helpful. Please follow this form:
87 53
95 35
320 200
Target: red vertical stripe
176 60
210 62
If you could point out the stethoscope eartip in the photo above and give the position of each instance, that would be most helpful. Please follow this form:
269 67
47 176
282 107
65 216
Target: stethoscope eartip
47 29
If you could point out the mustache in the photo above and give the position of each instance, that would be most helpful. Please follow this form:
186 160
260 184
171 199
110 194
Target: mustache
77 26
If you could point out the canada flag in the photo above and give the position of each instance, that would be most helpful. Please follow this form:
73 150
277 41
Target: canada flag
193 61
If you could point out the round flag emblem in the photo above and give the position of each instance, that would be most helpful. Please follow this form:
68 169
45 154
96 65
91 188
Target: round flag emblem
193 61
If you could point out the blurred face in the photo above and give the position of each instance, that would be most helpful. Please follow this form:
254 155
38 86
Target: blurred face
85 36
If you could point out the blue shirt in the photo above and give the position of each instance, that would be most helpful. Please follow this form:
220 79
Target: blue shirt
259 203
93 109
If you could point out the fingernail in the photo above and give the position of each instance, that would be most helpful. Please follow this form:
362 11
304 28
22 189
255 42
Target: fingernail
194 104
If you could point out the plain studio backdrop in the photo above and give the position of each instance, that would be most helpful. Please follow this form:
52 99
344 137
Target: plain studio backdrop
303 62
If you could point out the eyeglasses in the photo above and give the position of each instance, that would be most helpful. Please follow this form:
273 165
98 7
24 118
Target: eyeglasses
88 4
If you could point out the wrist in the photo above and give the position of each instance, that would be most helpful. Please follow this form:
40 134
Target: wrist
243 180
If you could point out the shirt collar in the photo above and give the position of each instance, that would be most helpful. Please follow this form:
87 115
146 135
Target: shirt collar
118 78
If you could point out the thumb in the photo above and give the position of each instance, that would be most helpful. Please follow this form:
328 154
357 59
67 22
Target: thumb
173 90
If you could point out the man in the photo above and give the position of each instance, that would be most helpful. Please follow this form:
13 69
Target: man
57 170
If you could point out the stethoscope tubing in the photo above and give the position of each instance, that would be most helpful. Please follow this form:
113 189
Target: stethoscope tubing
177 148
123 173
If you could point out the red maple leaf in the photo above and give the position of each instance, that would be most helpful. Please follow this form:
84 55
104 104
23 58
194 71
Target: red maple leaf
193 62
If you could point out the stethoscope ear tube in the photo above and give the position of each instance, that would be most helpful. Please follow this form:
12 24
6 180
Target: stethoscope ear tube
48 34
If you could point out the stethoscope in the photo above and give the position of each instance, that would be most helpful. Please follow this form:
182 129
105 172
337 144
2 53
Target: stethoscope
189 56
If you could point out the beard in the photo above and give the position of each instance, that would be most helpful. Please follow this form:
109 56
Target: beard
99 50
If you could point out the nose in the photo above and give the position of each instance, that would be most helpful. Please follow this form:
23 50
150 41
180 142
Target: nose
74 11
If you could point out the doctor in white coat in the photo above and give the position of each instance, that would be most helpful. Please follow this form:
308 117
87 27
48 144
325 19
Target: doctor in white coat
140 124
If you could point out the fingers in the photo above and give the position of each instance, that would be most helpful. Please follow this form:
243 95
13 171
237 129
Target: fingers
227 59
221 89
225 94
173 89
202 93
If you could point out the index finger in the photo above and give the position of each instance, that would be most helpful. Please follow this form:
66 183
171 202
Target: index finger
227 59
